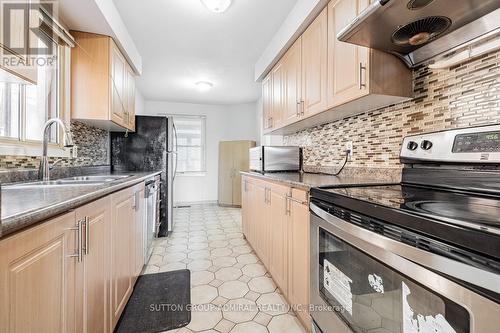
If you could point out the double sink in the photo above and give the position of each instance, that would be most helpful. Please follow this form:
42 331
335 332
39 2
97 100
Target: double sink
72 181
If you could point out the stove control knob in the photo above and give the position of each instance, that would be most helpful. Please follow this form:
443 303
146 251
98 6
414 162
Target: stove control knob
412 145
426 145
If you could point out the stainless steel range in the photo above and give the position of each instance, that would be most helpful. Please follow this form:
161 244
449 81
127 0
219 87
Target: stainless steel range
419 256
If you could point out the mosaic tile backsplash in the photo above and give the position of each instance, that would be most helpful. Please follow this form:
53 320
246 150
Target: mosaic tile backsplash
462 96
93 150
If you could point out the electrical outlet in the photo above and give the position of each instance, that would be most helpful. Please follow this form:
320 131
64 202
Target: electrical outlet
74 151
350 147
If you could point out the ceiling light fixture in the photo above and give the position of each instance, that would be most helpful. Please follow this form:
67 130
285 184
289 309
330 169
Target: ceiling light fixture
204 86
217 6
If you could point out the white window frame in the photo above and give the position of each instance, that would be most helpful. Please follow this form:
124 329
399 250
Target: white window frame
23 147
203 144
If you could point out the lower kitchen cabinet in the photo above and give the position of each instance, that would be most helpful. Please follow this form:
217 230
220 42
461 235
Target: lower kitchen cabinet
298 254
278 235
276 224
38 278
122 259
76 272
139 223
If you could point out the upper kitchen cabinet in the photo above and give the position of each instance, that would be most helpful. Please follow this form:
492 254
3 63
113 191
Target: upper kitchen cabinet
359 78
103 83
322 79
292 63
314 65
267 100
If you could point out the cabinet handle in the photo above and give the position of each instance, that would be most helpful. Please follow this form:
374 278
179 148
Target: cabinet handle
79 251
297 108
303 107
361 70
87 234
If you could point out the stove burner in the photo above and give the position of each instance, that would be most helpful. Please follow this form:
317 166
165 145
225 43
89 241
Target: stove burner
478 212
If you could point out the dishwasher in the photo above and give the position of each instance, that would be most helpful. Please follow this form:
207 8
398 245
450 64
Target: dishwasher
152 215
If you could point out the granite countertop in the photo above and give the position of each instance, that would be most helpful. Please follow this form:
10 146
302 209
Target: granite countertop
23 207
306 181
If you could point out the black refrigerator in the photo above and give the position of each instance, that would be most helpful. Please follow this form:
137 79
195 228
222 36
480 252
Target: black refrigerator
152 147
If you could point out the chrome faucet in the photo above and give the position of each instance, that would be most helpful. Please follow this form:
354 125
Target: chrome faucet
44 171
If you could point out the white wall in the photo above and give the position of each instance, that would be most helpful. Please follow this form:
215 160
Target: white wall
224 122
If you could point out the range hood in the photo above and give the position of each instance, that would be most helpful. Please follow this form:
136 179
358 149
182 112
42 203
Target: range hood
420 30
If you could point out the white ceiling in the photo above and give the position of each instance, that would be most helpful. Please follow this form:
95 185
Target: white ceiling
181 43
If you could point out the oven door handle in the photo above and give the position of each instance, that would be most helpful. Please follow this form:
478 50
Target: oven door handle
423 258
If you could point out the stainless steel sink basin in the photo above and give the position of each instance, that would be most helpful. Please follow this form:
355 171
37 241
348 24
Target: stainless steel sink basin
72 181
108 178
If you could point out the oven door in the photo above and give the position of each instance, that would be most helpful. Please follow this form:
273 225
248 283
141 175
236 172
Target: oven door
357 285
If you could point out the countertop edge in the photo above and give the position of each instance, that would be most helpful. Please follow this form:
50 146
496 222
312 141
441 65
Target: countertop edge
267 177
30 218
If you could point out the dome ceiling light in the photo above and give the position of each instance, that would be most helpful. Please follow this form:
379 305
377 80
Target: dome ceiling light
217 6
204 86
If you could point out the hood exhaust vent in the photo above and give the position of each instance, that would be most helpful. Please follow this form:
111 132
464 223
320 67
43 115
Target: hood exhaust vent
422 31
419 30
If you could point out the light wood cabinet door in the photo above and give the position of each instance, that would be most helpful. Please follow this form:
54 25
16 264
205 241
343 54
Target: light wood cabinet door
94 271
38 278
102 83
130 97
139 227
278 95
278 235
118 85
314 65
293 83
267 102
245 206
347 63
298 272
122 254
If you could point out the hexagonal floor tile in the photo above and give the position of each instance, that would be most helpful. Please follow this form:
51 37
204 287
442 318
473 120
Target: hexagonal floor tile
250 327
273 304
285 323
203 294
197 246
224 261
204 320
242 249
222 252
254 270
233 289
174 257
199 254
171 267
238 241
199 265
218 244
247 258
262 285
239 310
228 274
201 277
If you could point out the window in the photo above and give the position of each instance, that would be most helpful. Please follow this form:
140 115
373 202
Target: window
190 143
24 108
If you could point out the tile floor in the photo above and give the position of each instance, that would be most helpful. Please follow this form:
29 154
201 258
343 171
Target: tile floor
235 292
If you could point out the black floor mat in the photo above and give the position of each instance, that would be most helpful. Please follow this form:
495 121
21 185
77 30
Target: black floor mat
159 303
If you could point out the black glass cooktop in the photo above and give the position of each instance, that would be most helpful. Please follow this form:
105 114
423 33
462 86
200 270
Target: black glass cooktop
464 209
